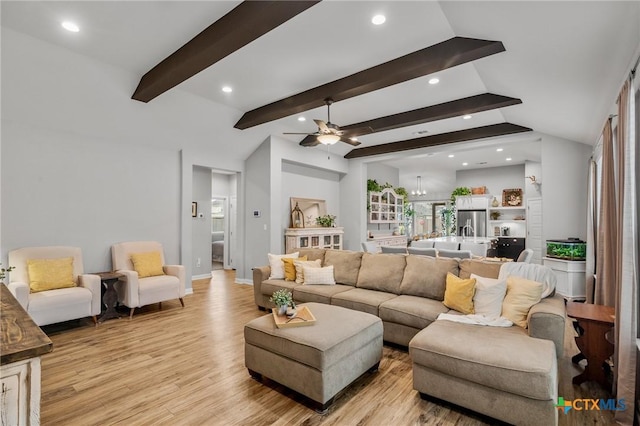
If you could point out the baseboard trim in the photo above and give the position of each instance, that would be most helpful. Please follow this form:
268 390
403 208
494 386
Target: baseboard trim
244 281
201 276
188 291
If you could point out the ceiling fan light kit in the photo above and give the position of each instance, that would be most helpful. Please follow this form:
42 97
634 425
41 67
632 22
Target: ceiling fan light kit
328 139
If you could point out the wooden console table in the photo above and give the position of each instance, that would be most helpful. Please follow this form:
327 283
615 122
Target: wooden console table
21 344
595 321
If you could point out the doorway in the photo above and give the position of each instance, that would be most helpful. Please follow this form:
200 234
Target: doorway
218 227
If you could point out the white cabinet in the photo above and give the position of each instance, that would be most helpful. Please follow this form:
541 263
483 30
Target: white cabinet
20 398
327 238
570 276
390 241
386 207
472 202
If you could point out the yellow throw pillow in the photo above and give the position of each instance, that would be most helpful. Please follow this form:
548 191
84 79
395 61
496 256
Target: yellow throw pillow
289 267
50 274
522 294
148 264
458 293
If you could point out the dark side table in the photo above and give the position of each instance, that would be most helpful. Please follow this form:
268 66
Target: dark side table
109 279
594 322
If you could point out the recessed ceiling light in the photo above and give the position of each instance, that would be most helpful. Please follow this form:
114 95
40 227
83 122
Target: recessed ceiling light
353 139
466 117
227 89
508 158
499 149
465 164
434 80
451 155
70 26
378 20
302 119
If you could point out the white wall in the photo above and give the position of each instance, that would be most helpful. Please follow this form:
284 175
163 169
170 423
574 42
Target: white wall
564 189
221 184
382 174
201 225
84 165
307 182
353 205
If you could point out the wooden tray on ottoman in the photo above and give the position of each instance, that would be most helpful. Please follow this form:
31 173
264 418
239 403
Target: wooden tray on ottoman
303 317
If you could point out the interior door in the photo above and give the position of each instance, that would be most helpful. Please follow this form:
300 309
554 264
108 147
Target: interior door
534 228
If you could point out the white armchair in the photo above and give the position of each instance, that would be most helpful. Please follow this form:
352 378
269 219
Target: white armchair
136 292
58 305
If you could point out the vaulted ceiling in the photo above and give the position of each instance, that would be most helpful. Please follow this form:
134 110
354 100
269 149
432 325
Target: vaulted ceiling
553 67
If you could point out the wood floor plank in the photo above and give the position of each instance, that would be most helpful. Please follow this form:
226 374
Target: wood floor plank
185 366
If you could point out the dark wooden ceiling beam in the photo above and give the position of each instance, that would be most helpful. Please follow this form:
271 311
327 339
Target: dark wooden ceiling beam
245 23
490 131
459 107
447 54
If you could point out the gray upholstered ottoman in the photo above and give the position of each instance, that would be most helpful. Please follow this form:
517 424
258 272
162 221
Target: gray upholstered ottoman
319 360
500 372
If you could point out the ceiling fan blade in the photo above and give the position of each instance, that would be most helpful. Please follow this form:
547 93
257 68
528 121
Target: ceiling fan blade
322 126
358 131
310 140
349 141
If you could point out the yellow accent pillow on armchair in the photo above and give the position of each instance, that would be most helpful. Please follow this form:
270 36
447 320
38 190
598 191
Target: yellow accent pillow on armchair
147 264
50 274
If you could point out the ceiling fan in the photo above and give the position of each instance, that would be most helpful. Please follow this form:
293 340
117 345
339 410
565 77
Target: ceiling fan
329 133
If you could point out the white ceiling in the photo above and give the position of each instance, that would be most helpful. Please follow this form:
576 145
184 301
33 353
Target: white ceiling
565 60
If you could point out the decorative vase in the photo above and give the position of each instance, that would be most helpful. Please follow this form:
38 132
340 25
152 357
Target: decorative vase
282 310
495 202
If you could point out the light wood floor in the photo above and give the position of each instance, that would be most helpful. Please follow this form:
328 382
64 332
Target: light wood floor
185 366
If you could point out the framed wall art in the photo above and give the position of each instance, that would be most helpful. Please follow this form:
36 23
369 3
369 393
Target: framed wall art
512 197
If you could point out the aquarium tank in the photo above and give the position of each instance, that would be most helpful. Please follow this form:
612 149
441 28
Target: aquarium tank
569 249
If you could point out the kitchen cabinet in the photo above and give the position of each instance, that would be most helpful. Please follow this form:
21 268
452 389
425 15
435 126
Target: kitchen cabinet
570 275
510 247
385 207
327 238
472 202
390 241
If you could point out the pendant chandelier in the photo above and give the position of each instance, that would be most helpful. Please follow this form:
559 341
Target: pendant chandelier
418 191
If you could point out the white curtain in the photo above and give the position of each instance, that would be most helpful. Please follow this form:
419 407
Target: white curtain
627 292
592 230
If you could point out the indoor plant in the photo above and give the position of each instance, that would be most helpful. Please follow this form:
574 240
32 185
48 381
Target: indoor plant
326 221
3 272
282 299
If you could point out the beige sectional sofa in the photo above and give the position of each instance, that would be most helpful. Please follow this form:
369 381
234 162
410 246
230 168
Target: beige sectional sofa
405 291
486 369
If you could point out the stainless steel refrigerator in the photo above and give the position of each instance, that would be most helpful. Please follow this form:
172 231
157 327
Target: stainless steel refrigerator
472 223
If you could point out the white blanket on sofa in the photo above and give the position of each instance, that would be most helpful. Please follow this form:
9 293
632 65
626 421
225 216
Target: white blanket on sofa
476 320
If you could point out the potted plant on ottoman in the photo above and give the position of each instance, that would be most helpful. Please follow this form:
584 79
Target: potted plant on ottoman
282 299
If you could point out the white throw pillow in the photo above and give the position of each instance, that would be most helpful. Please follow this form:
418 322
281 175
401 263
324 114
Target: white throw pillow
322 276
277 267
300 272
489 296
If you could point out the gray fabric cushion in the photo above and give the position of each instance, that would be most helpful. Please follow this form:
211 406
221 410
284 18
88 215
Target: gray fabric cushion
346 265
427 276
479 267
363 300
458 254
381 272
394 249
318 293
417 312
495 357
418 251
337 333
